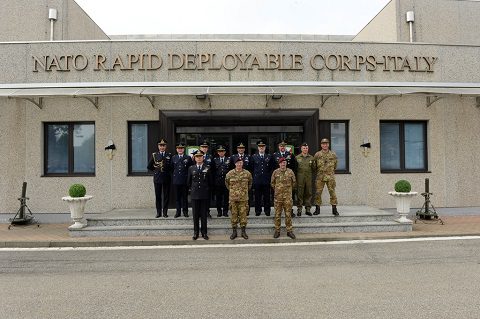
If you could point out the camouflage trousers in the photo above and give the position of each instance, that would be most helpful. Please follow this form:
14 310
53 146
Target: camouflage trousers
304 192
286 207
320 184
239 210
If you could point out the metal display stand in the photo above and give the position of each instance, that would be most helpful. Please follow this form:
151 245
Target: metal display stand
20 217
428 211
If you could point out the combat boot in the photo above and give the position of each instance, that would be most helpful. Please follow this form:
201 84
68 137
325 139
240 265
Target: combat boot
291 235
317 210
276 234
234 234
307 211
299 212
244 233
334 210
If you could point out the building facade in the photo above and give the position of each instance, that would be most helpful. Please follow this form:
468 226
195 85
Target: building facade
417 104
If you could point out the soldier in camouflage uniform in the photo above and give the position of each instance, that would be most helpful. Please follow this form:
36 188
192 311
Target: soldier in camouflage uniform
305 170
238 182
283 182
326 163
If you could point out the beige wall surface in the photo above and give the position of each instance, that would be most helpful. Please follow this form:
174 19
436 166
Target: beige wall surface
27 20
382 28
453 140
17 63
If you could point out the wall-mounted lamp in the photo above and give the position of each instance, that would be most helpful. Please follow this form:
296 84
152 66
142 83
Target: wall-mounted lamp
109 149
366 146
201 96
52 16
276 97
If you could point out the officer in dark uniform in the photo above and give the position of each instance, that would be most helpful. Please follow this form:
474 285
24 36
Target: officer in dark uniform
181 162
220 167
199 181
207 160
242 155
161 165
262 167
289 158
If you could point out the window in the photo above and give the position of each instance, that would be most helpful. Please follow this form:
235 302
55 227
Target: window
142 142
403 146
337 133
69 149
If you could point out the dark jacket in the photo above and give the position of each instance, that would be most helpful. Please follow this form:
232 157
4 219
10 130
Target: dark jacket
199 182
180 168
161 167
220 170
262 169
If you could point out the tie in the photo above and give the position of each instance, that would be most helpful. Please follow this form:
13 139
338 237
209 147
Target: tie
261 156
221 160
199 168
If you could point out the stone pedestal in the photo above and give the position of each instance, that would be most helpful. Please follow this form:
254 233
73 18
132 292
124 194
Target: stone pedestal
77 209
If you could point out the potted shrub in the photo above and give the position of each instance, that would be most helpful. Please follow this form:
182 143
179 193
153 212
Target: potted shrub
403 196
76 202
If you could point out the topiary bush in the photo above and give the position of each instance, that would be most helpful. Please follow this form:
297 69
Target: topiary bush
403 186
77 190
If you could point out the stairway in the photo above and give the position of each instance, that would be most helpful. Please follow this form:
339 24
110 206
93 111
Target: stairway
142 222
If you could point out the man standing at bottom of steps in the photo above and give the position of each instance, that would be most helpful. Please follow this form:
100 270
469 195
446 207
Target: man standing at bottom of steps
238 182
283 182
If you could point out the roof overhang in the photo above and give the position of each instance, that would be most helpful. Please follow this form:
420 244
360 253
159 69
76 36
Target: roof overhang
98 89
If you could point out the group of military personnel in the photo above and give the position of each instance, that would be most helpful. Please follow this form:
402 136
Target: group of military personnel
230 181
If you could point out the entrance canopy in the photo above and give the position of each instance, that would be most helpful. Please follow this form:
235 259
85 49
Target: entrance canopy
273 88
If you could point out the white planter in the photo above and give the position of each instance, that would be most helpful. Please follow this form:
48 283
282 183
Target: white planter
77 209
402 200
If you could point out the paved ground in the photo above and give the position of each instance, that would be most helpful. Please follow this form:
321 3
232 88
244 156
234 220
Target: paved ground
57 235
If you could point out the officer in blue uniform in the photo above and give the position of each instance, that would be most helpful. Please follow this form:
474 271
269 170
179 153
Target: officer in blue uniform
289 158
207 160
181 162
262 167
199 181
242 155
161 165
220 166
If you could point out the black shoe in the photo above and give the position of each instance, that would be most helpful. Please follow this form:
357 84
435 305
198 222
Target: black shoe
195 236
292 213
205 236
291 235
267 213
185 214
299 214
334 210
158 215
165 213
208 215
225 213
177 214
244 233
234 234
307 211
257 213
276 234
219 213
317 210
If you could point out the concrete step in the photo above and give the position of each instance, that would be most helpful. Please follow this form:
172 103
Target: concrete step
263 229
252 220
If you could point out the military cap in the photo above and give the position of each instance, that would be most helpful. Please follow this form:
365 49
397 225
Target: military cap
204 144
324 140
304 144
237 159
180 145
221 148
261 143
198 153
282 143
162 142
281 159
240 145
